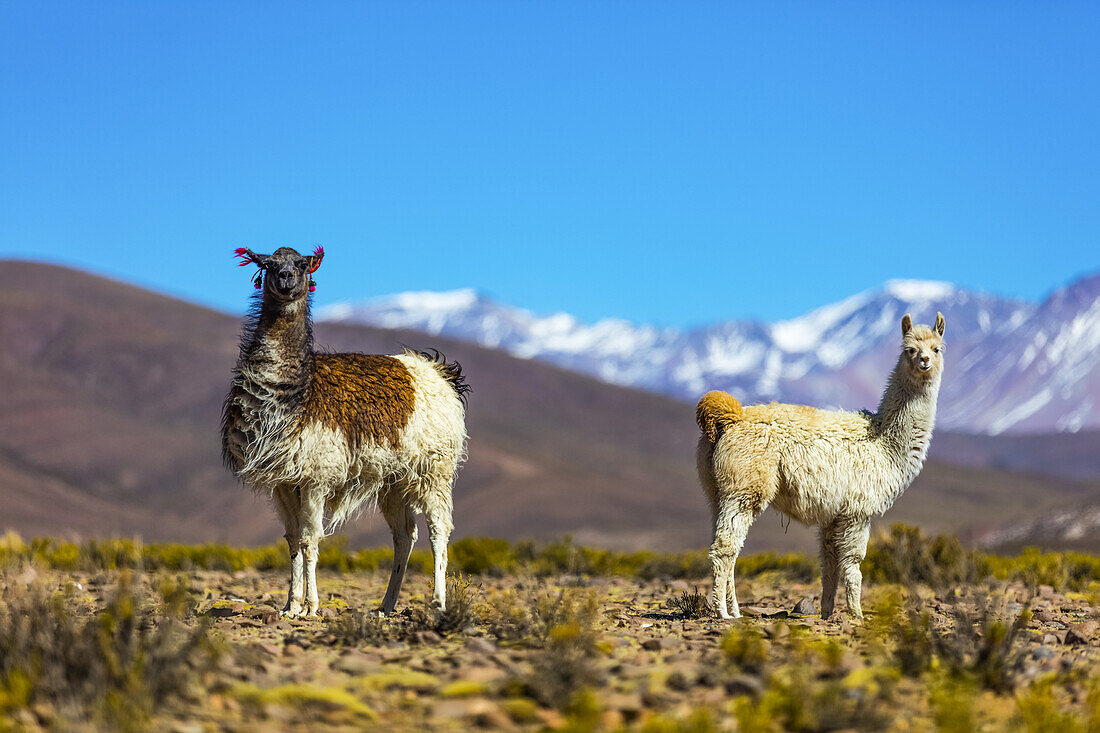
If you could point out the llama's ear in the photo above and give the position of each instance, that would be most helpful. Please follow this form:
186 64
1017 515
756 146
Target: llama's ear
248 257
941 324
906 324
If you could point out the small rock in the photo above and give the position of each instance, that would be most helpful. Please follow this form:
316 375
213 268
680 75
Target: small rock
778 630
357 663
1046 591
327 612
1043 652
1075 635
1049 639
669 643
804 607
1087 629
651 645
267 648
629 703
681 678
480 646
269 616
744 685
427 637
1044 615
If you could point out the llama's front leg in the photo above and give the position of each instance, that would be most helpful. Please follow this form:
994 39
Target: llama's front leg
313 516
288 506
830 571
399 515
439 532
730 528
296 593
852 547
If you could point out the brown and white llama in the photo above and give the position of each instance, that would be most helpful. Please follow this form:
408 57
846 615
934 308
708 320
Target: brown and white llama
830 469
324 435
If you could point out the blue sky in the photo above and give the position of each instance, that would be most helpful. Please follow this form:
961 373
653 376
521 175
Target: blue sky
675 163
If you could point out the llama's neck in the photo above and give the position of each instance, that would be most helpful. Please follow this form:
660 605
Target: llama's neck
277 355
907 413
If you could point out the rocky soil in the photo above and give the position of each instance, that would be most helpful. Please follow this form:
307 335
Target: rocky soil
615 653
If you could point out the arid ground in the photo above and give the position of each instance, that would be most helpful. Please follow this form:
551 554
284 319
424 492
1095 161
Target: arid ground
207 650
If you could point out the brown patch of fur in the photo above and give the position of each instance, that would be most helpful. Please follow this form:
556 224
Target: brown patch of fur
715 412
370 398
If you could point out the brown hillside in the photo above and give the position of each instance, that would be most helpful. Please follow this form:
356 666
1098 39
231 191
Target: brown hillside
109 425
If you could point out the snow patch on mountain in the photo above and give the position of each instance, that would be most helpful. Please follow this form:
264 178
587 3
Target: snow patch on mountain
1011 365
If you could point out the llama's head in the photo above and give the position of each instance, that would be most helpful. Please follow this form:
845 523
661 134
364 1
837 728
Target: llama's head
284 273
922 347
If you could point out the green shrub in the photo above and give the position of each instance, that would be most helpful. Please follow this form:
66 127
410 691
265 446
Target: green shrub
904 556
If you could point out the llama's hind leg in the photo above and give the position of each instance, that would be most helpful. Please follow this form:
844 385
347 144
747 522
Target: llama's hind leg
830 569
399 515
287 504
851 545
438 513
731 525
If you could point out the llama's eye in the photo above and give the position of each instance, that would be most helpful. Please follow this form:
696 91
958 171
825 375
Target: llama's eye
936 349
911 350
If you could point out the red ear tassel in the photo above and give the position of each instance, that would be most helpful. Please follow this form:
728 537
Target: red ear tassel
315 260
246 258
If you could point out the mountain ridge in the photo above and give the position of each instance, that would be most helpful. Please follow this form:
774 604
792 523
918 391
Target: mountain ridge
837 355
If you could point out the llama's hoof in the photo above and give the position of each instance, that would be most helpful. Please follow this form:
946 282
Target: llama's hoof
292 610
381 613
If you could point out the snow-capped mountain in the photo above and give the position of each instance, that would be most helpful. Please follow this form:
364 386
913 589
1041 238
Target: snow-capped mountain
1012 365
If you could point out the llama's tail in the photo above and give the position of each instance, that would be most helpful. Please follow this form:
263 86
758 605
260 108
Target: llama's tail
715 412
449 370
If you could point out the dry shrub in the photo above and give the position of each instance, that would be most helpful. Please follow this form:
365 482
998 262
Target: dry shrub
114 668
691 604
462 608
530 619
993 658
357 628
904 556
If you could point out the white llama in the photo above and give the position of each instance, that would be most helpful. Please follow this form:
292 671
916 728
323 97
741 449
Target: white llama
832 470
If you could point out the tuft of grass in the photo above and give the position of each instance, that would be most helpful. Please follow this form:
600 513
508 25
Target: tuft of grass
903 628
691 604
992 657
565 665
462 608
303 699
745 648
357 628
1038 711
